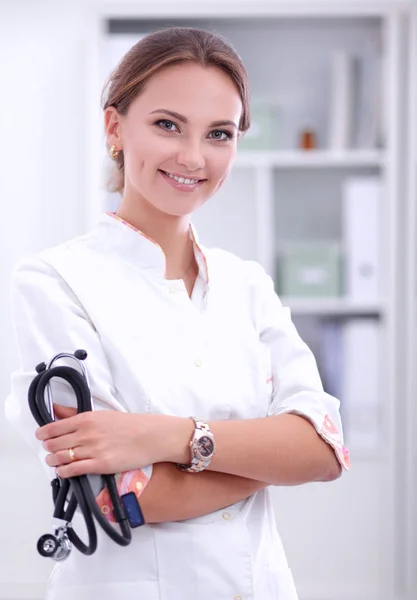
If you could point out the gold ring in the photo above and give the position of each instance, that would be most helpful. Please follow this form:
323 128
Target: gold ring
71 453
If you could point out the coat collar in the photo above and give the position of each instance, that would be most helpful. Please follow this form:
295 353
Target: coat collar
140 249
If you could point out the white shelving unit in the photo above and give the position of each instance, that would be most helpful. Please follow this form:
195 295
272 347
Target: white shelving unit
348 540
331 307
410 470
320 159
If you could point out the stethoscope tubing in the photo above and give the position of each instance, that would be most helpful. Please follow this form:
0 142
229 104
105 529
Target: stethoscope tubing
82 495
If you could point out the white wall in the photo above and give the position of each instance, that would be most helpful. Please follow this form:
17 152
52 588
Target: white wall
42 191
43 198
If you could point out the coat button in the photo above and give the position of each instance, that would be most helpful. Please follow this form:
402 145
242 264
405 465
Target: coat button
198 362
226 516
238 597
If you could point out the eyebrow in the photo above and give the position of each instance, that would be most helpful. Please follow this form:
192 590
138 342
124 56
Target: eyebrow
185 120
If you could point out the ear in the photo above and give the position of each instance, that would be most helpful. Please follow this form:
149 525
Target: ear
112 122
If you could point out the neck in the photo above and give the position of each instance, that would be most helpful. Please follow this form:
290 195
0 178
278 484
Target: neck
170 232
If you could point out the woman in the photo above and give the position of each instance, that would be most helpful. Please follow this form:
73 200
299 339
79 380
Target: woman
174 330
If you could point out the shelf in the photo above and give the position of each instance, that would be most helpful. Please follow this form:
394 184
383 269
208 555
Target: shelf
310 159
330 306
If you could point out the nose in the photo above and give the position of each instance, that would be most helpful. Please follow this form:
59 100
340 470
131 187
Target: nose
191 156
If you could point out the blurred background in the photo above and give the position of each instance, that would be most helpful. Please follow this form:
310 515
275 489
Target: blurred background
323 194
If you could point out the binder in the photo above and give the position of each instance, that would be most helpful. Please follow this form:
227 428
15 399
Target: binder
360 392
344 85
331 357
361 235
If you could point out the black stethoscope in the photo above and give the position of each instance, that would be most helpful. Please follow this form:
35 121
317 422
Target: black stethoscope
126 509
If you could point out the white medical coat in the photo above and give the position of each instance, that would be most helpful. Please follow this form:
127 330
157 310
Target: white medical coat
229 352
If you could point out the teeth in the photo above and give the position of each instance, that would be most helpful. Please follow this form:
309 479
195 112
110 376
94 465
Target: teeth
182 180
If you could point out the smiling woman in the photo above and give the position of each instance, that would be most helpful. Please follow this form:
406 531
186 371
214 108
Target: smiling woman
183 141
173 329
172 120
181 47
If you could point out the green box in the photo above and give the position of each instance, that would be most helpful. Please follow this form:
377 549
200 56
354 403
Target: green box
310 269
262 134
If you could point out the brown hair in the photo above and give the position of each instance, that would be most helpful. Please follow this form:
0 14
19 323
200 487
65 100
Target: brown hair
163 48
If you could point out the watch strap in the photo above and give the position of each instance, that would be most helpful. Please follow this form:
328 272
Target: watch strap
198 463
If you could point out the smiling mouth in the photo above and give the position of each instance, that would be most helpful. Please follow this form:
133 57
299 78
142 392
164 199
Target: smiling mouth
183 180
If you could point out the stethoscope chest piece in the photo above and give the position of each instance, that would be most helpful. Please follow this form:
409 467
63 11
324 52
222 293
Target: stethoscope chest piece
56 546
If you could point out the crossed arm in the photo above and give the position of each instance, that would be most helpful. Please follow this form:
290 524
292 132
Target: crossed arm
172 495
291 453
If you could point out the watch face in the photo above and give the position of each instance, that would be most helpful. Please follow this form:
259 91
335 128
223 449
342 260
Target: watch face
205 446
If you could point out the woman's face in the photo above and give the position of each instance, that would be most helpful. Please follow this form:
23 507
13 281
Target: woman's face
184 124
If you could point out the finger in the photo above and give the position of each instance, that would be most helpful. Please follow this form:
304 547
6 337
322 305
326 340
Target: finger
79 467
62 457
63 412
71 440
57 428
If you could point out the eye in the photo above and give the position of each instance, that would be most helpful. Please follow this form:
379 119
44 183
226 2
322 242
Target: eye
167 125
221 135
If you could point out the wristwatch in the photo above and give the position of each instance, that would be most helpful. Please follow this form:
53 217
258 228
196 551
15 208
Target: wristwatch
202 446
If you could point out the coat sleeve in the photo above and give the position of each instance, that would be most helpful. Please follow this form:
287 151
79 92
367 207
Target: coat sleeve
296 383
49 319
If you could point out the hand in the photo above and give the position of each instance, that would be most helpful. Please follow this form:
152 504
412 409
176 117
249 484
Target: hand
108 441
